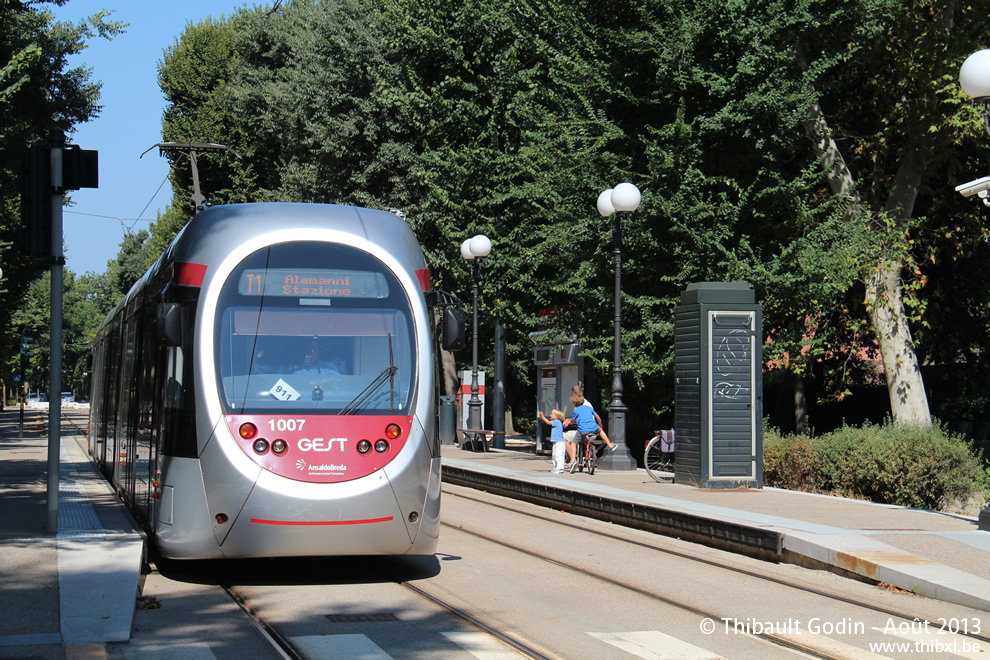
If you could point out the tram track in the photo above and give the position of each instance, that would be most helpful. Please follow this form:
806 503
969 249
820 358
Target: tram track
523 647
283 646
276 641
79 429
787 641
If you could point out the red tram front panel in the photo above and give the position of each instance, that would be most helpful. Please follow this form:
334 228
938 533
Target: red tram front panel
319 448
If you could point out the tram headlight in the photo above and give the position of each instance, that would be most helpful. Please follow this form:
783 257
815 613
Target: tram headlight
392 431
248 430
381 446
260 446
363 447
279 446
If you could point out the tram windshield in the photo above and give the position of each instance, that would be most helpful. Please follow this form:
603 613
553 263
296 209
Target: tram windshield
318 327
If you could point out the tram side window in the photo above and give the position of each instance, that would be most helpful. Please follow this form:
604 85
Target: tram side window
179 432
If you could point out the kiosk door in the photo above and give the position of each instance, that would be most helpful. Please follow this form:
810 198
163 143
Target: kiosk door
548 389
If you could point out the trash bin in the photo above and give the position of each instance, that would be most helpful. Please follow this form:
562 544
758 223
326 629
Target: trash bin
448 419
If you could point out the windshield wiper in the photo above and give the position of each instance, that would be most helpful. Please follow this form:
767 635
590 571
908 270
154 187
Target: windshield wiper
361 399
387 374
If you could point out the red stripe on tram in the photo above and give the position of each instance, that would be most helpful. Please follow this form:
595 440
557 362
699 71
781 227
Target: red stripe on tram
320 522
424 279
189 274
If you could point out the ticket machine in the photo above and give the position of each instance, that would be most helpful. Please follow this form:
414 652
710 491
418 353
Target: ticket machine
558 369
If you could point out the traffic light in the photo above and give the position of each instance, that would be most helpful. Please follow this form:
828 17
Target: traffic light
27 344
36 201
80 169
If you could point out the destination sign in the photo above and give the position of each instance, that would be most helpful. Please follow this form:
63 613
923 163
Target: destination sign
312 283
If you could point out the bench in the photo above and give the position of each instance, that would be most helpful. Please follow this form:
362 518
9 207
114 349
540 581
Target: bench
479 441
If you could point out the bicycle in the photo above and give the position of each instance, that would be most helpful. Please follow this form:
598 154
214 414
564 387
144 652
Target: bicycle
658 456
587 454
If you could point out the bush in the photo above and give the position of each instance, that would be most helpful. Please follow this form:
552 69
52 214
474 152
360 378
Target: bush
893 464
789 462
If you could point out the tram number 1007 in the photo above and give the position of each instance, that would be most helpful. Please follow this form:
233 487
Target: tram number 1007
286 424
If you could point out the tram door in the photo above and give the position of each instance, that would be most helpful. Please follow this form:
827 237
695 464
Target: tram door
548 389
126 428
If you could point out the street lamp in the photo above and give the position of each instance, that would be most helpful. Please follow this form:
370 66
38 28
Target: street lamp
474 250
974 77
622 200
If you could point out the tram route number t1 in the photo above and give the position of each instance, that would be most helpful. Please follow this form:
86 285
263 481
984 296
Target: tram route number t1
312 283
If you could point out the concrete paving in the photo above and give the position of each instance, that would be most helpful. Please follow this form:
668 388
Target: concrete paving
68 593
934 554
72 595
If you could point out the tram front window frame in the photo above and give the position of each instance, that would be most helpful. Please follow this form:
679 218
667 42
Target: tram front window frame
291 350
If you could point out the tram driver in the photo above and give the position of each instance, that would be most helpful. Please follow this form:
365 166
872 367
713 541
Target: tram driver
314 361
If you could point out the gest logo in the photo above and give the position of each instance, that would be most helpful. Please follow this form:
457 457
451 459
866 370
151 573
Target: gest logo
320 444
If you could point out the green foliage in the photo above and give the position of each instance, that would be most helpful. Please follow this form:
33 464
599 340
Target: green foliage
130 263
790 462
893 464
163 230
83 308
510 118
194 76
38 92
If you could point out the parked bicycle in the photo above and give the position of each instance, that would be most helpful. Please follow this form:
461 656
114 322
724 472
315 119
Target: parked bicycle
659 455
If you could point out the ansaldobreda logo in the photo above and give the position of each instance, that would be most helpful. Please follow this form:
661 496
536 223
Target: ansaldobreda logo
325 467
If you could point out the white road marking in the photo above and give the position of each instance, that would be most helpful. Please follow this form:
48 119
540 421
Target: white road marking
654 645
482 645
339 647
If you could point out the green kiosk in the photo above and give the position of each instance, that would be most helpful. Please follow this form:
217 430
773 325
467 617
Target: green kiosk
718 390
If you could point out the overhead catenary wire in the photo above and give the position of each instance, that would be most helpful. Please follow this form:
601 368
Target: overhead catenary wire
127 229
217 96
121 219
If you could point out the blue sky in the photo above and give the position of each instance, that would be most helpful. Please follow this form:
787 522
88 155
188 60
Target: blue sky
129 123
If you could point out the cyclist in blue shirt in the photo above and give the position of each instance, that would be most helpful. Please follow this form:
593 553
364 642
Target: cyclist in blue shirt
587 422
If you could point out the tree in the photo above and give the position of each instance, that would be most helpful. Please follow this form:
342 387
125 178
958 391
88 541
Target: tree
194 75
80 318
38 92
471 118
743 184
768 149
130 263
900 112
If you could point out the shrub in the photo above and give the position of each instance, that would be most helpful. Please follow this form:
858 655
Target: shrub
894 464
789 462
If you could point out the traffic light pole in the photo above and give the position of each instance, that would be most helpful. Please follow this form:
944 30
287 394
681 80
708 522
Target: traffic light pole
55 366
20 390
48 170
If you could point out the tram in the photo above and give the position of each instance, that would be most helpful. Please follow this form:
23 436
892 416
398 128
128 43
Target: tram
268 387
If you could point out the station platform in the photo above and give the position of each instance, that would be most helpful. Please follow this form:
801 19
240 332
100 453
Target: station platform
70 594
65 595
934 554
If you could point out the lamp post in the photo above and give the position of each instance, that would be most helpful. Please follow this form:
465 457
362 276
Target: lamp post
622 201
474 250
974 78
